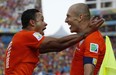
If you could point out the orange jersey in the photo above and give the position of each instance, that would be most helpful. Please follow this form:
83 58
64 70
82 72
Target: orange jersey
92 46
22 53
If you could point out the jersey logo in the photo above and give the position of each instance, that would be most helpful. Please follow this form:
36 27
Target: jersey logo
37 35
94 47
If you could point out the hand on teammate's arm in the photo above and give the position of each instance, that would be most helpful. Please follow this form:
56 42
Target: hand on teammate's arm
94 24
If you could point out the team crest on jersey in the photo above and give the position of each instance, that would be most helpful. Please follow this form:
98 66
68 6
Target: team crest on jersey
94 61
94 47
38 36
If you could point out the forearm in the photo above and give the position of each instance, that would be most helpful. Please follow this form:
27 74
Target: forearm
72 42
71 37
80 35
56 45
88 69
65 43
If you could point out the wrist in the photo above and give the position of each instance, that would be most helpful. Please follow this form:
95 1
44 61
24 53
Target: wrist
82 34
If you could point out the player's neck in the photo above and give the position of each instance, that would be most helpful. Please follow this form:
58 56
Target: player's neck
29 29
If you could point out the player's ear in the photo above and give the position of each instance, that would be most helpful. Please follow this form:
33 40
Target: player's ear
32 22
80 17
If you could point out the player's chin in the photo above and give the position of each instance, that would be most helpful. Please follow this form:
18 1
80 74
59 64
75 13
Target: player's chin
72 31
42 33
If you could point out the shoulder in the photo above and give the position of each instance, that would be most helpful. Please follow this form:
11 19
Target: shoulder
94 35
37 35
29 34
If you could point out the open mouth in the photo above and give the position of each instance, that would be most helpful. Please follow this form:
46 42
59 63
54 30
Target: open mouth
44 29
69 26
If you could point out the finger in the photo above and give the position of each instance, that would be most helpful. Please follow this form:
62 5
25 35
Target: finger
92 18
97 25
95 18
99 17
100 23
92 23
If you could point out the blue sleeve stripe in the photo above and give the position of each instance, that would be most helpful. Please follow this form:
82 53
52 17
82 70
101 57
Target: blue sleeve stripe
88 60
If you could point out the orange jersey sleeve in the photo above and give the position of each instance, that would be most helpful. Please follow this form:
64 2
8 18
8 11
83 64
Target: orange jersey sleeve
94 45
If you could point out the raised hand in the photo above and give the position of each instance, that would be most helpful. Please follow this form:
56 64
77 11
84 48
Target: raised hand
94 24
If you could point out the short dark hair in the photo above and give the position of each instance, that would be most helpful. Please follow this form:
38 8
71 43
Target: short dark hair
27 16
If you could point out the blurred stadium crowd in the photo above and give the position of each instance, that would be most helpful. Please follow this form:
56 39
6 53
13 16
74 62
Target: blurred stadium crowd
50 63
10 13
